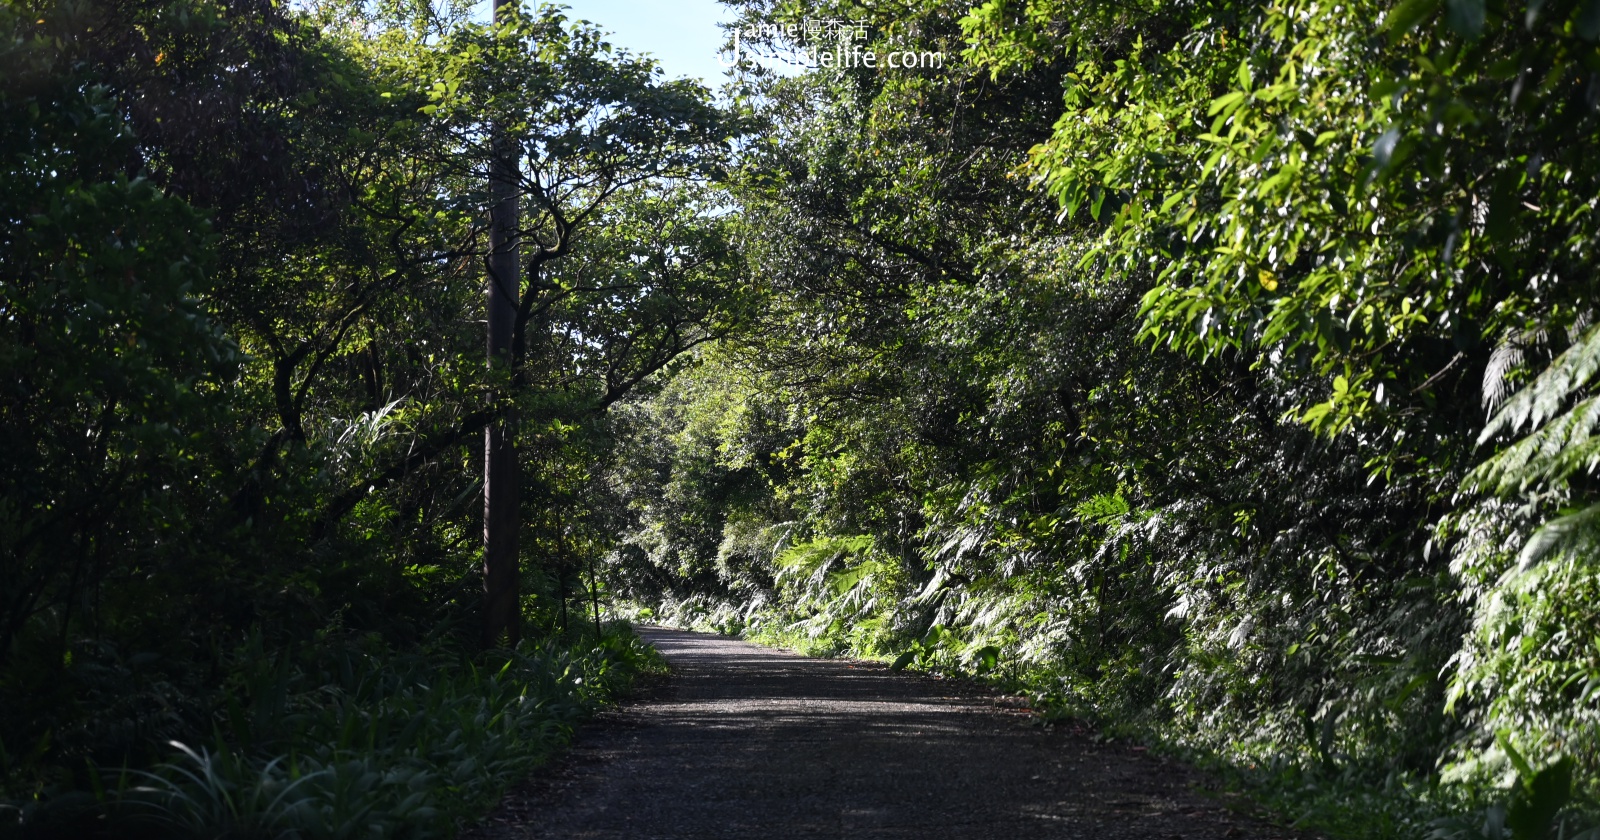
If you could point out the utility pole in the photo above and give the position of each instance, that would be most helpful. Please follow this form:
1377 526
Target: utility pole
502 609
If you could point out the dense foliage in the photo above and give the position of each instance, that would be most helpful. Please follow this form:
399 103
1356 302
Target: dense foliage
241 284
1219 370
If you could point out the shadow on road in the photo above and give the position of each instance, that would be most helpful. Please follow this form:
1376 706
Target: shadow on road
750 742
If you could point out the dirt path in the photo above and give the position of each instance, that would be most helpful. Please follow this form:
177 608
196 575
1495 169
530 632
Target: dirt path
750 742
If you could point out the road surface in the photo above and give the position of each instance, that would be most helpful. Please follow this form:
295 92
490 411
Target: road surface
744 741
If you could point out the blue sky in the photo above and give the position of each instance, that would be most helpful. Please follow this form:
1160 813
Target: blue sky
681 34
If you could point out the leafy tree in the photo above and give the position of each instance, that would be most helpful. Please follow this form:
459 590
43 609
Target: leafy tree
1175 427
240 300
572 126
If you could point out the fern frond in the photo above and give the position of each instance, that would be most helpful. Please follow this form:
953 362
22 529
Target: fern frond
1505 359
1547 455
1577 533
1561 442
1542 398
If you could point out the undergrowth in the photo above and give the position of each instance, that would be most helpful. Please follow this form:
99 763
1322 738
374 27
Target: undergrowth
351 740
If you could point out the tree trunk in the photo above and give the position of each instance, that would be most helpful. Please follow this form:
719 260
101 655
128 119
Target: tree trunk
562 585
502 609
594 598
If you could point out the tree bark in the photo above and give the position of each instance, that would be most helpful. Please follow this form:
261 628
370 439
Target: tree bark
502 613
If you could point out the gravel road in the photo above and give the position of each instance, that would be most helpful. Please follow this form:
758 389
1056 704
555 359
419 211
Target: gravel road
744 741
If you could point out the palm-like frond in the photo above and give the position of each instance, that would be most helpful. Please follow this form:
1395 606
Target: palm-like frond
1560 443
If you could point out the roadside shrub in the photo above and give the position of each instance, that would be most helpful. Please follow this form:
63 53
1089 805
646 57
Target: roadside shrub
356 740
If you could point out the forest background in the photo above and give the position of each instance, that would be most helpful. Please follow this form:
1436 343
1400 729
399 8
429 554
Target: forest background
1219 372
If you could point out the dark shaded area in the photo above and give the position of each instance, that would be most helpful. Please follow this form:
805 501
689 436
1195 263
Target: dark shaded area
745 741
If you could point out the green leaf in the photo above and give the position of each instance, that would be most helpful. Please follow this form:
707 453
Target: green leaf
1405 17
1587 24
1524 770
1465 17
1536 802
1503 207
1316 413
1226 99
